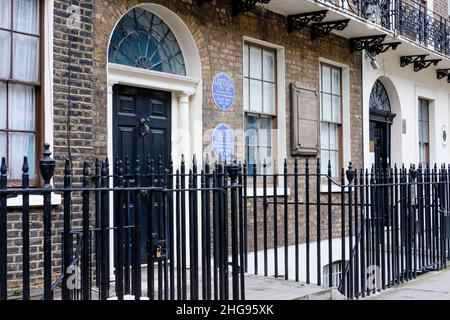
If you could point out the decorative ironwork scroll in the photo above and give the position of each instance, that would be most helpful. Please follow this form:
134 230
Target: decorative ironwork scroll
323 29
301 20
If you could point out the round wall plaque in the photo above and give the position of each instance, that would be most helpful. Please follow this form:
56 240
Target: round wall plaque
223 91
223 142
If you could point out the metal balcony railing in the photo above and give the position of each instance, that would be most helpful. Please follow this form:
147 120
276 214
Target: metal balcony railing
404 18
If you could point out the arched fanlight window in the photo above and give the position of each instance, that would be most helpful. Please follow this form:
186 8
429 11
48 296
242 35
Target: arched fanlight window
143 40
379 98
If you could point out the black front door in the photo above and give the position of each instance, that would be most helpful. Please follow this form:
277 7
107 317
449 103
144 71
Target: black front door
142 129
380 145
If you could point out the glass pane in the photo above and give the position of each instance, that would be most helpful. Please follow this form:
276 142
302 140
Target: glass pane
255 63
252 155
422 150
21 145
265 154
2 105
26 57
334 157
256 95
246 57
324 135
5 51
336 81
22 102
2 145
326 79
324 161
252 131
5 14
265 132
26 16
336 109
269 98
326 107
420 131
425 111
246 94
425 129
269 66
334 137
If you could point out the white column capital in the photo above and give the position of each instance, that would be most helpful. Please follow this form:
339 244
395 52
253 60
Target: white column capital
183 97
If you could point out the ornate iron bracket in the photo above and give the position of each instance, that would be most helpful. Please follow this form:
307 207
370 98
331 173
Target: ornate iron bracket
383 47
323 29
423 64
407 60
442 73
240 6
361 43
301 20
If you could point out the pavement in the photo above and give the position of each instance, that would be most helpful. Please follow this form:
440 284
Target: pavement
430 286
267 288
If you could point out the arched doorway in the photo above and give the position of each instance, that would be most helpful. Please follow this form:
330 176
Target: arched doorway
381 119
154 97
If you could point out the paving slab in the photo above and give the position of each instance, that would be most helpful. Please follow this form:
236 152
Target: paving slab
267 288
431 286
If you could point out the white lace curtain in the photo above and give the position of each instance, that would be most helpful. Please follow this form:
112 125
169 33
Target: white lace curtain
18 101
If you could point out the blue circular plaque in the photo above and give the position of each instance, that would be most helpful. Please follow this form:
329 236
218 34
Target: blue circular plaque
223 142
223 91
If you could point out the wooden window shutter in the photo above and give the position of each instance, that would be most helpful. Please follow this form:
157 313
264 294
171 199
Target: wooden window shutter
305 115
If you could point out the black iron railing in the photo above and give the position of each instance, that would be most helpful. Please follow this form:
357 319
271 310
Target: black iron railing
193 233
405 18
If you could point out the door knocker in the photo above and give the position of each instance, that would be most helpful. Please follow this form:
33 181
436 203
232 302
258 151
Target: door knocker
144 129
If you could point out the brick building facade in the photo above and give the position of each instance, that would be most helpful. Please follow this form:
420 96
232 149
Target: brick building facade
80 93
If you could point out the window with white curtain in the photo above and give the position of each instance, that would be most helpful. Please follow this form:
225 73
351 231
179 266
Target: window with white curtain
19 82
260 106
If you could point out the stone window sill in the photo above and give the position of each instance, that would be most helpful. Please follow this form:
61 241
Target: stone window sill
36 201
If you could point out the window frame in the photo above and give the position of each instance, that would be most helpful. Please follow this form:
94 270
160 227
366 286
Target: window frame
35 181
272 116
339 124
421 123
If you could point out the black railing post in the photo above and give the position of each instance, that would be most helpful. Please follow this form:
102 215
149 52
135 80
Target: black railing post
47 167
104 231
119 217
307 222
350 177
98 242
343 233
286 222
86 252
26 229
233 172
67 241
413 224
330 227
318 223
3 232
137 259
